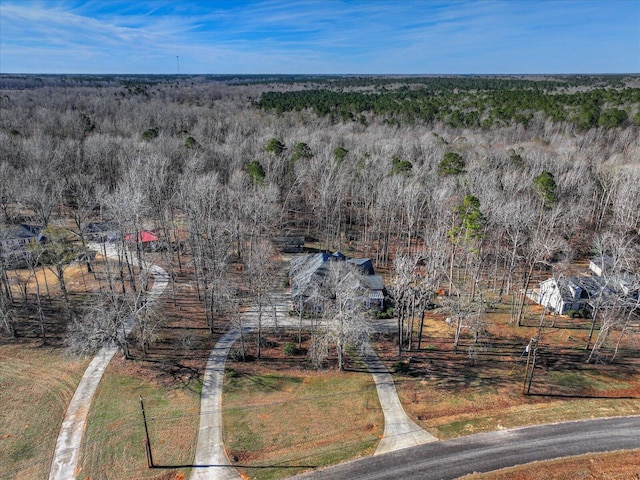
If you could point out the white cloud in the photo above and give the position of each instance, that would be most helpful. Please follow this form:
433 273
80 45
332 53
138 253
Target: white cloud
328 36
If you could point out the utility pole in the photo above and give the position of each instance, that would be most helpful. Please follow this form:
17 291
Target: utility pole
532 347
147 443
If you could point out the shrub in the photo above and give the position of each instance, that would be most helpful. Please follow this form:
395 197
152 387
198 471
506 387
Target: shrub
266 343
383 314
572 314
290 349
237 356
149 134
401 367
190 142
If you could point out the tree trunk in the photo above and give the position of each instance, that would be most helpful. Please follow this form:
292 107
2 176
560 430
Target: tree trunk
420 330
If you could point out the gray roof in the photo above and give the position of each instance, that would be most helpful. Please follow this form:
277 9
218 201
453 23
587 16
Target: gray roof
309 270
19 232
303 270
372 282
591 290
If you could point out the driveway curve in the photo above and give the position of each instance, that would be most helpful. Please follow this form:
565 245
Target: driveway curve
211 459
64 465
399 430
486 452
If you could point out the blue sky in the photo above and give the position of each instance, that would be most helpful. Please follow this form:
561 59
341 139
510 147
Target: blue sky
320 36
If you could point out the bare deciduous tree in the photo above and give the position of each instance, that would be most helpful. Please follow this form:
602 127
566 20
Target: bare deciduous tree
344 321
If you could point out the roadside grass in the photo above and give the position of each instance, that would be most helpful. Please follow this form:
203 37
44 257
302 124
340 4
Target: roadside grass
277 424
114 444
36 385
623 465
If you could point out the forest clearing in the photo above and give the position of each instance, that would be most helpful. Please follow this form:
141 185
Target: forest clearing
466 194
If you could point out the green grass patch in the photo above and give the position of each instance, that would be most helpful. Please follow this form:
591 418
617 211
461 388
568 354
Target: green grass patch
36 386
276 425
115 436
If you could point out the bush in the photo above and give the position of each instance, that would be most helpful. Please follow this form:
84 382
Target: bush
149 134
290 349
401 367
572 314
266 343
584 313
237 356
383 314
190 142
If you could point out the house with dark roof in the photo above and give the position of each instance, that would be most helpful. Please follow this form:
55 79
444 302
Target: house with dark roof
14 240
307 274
574 293
102 232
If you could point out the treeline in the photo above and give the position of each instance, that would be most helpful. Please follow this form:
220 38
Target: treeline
216 177
470 102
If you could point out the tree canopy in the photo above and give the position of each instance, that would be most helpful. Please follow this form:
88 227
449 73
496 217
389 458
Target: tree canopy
451 164
545 184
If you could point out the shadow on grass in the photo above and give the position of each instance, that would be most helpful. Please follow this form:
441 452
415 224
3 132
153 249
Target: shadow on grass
588 397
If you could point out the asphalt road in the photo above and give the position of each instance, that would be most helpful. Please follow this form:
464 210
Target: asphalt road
486 452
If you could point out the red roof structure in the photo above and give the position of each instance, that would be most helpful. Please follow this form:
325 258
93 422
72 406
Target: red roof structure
144 236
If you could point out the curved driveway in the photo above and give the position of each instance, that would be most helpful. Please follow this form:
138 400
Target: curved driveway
211 459
491 451
399 430
65 457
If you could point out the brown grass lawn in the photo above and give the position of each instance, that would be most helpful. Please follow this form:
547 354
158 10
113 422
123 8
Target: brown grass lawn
114 443
168 378
280 419
36 385
450 393
600 466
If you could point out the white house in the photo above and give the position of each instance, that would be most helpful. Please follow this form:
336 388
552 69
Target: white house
572 293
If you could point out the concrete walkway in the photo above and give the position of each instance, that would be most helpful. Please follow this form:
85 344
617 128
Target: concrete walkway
211 460
399 430
65 457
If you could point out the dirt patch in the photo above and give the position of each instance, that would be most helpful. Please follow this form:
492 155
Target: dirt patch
601 466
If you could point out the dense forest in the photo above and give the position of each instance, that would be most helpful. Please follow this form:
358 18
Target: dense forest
471 183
